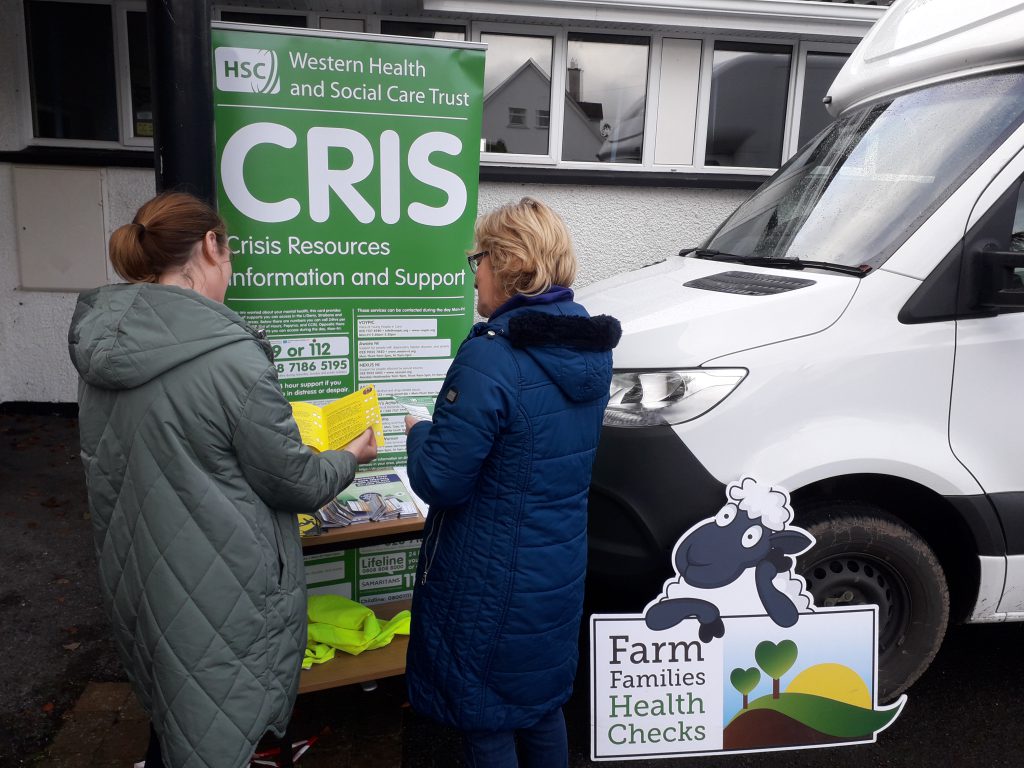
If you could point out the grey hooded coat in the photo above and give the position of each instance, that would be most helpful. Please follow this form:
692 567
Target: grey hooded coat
195 471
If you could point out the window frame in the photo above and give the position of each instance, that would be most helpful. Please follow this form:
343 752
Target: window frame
518 117
700 139
479 28
806 47
217 10
339 16
376 21
119 35
380 19
580 165
124 75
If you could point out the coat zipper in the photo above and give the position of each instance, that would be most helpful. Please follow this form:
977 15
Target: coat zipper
428 559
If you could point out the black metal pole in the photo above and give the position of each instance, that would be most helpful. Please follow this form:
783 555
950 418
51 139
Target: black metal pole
179 65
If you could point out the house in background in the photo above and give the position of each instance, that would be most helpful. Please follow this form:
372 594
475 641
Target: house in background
517 114
643 123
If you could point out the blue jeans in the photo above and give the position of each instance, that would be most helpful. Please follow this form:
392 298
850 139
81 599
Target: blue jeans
543 745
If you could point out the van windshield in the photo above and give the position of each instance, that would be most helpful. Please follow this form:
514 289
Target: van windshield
859 189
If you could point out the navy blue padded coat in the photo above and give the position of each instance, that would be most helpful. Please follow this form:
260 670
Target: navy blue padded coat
505 467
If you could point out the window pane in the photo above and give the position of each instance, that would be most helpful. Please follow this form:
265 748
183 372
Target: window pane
423 29
821 70
138 64
71 66
676 124
605 99
747 117
342 25
517 84
273 19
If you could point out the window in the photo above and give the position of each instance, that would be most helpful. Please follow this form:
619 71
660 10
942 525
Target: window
340 24
820 70
272 19
543 118
138 76
605 98
517 82
423 29
747 112
71 71
678 97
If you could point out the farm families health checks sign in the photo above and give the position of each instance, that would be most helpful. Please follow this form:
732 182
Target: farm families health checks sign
733 655
347 171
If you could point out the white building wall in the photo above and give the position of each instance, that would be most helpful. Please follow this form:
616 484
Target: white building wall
34 363
616 229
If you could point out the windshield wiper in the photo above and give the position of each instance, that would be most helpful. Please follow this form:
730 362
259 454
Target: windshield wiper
777 263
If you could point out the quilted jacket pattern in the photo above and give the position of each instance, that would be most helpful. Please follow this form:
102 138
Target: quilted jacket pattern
195 469
505 467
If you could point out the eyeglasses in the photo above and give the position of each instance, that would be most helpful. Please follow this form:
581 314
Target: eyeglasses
474 260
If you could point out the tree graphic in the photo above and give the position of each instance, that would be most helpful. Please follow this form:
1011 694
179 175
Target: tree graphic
775 660
744 681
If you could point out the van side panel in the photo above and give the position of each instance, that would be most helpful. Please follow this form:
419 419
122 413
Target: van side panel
867 395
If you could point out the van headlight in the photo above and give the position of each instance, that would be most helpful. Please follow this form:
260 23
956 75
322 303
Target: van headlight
653 398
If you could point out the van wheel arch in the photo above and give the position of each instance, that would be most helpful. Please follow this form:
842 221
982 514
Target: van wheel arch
929 514
864 555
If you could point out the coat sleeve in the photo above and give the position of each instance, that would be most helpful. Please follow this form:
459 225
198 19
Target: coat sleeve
445 456
283 471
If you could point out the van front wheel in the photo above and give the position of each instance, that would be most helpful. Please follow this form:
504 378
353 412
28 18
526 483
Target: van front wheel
863 555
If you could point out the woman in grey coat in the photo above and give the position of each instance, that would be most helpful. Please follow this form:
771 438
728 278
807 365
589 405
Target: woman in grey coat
195 471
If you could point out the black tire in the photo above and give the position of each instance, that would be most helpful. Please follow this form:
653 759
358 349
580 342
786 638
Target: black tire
864 555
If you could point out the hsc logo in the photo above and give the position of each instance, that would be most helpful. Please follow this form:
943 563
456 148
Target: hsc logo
247 70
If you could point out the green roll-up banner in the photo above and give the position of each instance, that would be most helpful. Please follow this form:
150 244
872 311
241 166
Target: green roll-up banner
347 170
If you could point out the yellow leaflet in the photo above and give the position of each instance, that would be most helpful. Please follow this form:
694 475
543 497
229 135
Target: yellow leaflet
310 420
308 525
336 424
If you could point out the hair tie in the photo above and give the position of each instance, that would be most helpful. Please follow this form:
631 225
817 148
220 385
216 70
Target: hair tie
142 227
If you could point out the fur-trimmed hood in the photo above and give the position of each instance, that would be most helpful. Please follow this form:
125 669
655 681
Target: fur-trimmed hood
565 341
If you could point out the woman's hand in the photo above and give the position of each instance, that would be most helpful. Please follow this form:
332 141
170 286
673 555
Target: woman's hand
410 422
364 447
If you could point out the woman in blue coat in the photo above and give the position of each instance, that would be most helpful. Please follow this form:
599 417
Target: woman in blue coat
505 467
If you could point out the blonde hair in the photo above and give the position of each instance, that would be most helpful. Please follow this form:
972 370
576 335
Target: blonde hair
161 236
528 246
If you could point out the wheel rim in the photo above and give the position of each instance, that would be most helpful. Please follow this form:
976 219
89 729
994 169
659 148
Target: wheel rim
858 579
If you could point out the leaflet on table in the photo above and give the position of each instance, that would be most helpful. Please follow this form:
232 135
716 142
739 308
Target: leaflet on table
333 426
372 497
403 474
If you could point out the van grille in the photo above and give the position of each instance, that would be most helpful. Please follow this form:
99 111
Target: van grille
748 283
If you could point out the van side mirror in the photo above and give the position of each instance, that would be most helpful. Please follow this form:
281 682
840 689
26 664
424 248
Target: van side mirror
1000 284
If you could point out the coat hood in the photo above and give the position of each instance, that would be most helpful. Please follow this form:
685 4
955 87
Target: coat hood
568 344
122 336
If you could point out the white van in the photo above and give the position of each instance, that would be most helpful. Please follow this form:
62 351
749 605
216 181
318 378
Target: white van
853 333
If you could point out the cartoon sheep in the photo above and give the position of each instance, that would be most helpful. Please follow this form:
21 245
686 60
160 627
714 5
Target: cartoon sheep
749 540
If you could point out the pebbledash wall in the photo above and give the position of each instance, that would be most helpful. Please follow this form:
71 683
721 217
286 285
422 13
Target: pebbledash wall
618 222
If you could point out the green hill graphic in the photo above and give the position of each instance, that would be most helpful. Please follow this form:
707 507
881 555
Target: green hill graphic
834 718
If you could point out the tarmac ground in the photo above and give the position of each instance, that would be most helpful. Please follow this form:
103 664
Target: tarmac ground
64 701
